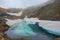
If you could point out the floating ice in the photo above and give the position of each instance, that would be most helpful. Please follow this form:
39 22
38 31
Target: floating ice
51 26
31 20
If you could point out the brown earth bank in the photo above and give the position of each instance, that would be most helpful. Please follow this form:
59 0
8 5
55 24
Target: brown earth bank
3 27
57 38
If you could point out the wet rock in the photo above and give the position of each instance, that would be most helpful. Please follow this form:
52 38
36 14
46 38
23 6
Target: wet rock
3 27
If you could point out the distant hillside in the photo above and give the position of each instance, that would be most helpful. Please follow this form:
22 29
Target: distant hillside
4 13
11 10
47 12
2 10
14 10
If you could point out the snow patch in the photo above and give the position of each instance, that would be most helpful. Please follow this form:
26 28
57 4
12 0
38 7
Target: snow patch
12 22
16 14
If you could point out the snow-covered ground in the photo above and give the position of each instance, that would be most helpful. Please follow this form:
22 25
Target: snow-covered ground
12 22
53 26
16 14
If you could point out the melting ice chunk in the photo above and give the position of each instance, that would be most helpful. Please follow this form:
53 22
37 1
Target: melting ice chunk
31 20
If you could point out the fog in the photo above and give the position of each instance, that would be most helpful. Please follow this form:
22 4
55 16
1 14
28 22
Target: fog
21 3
